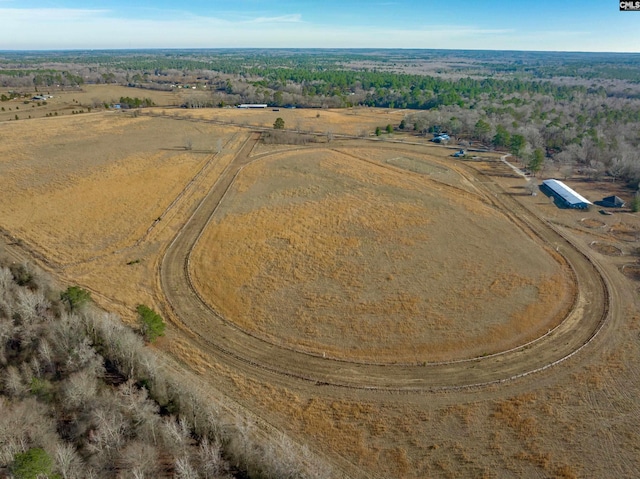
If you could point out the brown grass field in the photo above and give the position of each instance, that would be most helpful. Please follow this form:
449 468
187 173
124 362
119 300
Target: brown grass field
359 261
362 253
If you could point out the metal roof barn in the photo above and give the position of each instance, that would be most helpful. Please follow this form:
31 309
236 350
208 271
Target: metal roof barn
566 195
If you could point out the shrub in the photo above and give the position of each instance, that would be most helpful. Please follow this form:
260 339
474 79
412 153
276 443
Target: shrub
285 138
152 323
41 388
278 124
75 297
32 464
23 275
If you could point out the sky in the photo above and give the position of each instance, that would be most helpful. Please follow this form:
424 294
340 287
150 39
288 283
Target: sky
561 25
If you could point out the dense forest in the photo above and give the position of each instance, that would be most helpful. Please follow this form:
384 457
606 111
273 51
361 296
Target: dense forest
562 110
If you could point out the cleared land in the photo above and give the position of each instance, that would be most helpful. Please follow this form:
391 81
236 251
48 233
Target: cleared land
89 194
84 187
353 121
369 420
72 101
326 253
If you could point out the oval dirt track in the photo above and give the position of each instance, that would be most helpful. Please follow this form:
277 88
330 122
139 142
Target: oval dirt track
255 356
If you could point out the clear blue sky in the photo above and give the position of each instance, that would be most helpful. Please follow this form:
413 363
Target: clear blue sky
564 25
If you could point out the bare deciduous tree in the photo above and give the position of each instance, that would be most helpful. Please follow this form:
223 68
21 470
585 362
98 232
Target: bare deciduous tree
31 304
140 459
68 463
184 469
109 432
210 458
13 383
80 389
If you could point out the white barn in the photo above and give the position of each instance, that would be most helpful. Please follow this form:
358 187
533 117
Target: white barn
565 195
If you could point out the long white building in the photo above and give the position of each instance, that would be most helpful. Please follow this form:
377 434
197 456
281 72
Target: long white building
565 195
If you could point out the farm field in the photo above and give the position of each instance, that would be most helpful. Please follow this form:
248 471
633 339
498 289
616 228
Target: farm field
341 281
353 121
71 101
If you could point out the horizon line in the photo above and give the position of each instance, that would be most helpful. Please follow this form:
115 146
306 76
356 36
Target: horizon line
116 49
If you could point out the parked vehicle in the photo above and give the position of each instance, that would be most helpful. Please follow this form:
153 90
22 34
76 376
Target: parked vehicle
440 138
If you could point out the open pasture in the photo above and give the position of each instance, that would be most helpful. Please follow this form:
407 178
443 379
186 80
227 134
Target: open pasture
349 258
366 252
79 187
358 121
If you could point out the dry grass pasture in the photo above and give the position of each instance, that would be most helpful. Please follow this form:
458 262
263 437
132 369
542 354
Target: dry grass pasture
366 253
71 101
356 260
353 121
88 192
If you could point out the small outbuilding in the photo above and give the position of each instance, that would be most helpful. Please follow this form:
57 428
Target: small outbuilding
612 202
563 195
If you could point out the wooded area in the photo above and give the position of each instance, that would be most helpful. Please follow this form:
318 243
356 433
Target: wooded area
577 110
83 398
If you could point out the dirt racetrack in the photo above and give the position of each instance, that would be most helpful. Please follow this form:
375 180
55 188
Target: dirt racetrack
340 253
246 350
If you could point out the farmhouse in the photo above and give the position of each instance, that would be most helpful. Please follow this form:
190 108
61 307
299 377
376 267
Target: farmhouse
564 195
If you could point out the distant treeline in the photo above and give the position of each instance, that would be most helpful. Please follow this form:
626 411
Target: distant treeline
619 66
578 109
